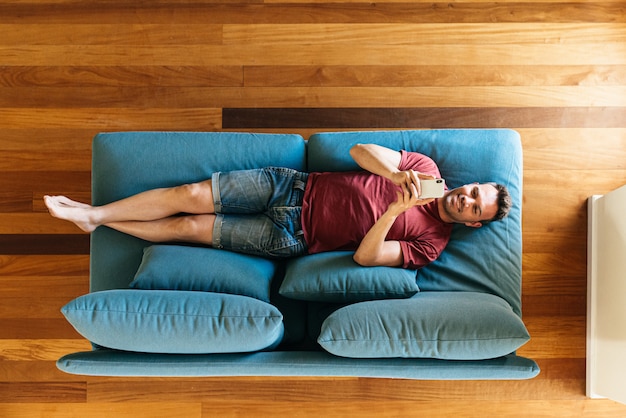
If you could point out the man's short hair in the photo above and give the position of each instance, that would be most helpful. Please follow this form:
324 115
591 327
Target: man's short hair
504 202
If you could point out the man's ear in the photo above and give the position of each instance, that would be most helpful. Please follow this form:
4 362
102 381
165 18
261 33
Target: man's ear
474 224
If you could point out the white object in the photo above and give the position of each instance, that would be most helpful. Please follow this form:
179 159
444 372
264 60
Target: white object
606 296
432 188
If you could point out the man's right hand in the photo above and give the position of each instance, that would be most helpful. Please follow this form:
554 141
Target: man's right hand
409 181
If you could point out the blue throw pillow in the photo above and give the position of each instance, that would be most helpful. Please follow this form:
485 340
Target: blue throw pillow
175 322
176 267
441 325
336 277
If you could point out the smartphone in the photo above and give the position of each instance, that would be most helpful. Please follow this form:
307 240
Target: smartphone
432 188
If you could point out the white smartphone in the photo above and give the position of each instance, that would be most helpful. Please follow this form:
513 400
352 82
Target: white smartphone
432 188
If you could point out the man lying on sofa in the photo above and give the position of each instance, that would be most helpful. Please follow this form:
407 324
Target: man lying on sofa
279 212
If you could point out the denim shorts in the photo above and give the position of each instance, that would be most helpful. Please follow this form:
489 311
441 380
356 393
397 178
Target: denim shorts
258 211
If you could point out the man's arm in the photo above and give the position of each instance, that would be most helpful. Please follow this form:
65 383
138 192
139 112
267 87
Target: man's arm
374 250
386 162
376 159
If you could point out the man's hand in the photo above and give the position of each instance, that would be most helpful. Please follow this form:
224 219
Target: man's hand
406 200
374 250
409 182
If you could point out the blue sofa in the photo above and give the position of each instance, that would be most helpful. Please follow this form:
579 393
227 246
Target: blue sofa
182 310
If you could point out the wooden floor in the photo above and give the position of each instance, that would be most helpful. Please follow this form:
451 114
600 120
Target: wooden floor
71 68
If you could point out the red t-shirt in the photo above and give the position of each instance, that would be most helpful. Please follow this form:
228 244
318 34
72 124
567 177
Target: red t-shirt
339 208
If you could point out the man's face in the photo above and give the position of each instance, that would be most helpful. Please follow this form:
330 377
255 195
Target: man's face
471 204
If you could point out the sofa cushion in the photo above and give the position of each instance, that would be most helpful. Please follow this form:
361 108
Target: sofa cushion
487 259
335 277
126 163
175 322
442 325
179 267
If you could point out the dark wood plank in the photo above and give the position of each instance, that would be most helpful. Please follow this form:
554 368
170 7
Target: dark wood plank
551 117
44 244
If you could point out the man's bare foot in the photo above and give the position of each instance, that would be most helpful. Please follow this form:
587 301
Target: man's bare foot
67 209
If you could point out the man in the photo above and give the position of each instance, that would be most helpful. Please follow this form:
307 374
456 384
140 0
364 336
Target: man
279 212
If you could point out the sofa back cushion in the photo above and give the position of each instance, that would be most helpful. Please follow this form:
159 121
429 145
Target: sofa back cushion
486 259
126 163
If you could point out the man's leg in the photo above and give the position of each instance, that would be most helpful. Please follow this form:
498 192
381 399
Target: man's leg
196 229
151 205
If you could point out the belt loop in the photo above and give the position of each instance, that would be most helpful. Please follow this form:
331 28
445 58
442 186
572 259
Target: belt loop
300 182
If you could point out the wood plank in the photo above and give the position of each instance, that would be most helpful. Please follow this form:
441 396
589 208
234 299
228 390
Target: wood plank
544 284
103 410
594 181
508 2
35 223
28 307
124 75
110 34
68 181
562 368
15 201
56 160
502 117
44 265
39 349
572 216
35 392
36 371
502 409
36 328
555 337
332 390
550 241
424 33
40 285
307 54
433 75
29 99
562 149
44 243
537 264
117 119
316 11
553 304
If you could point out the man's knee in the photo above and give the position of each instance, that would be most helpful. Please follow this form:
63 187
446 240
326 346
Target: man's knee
199 196
195 228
